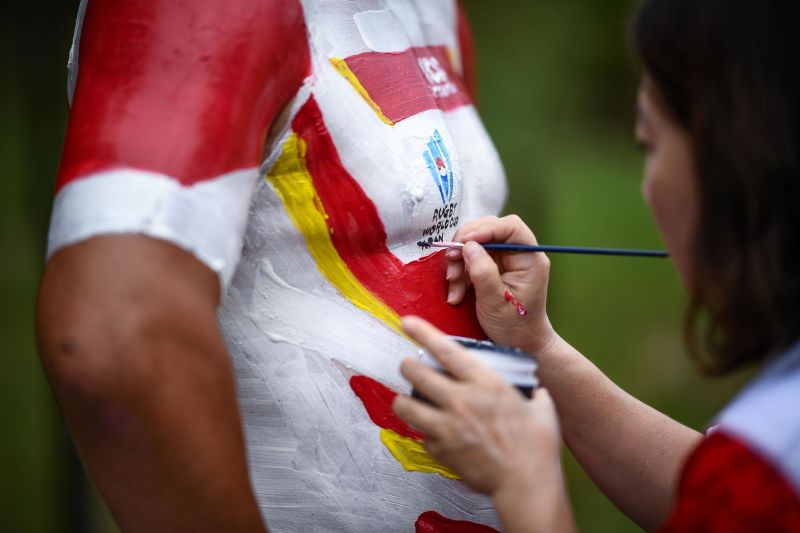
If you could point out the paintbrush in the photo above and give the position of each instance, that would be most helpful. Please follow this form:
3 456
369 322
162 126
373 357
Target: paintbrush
505 247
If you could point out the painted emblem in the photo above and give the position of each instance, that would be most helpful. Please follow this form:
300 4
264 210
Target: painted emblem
439 164
437 77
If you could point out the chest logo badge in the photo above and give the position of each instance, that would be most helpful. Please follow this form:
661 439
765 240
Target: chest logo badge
438 161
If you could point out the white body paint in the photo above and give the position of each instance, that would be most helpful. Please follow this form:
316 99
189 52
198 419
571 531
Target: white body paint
316 460
207 219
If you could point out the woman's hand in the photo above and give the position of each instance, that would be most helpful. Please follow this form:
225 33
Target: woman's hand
481 426
524 275
498 442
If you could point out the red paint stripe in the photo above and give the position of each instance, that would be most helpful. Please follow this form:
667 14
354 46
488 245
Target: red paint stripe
187 89
467 46
377 399
358 234
433 522
406 83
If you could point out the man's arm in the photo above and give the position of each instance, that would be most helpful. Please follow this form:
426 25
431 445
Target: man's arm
171 106
128 335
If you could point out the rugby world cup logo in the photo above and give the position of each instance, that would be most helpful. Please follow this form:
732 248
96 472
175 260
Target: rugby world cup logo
438 162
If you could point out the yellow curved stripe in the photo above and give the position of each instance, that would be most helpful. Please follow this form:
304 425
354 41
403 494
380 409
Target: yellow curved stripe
412 455
454 61
292 182
342 67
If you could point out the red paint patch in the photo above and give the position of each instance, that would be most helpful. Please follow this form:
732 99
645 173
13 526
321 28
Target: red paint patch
425 75
433 522
187 89
377 399
467 45
521 309
359 237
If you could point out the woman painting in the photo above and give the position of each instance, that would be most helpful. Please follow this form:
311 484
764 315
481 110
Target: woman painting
719 122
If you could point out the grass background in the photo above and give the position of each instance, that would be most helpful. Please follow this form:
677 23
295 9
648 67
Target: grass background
557 85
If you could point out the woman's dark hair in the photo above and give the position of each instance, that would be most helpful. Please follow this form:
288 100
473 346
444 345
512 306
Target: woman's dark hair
728 72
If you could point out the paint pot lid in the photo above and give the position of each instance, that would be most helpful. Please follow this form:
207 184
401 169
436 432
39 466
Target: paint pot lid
516 367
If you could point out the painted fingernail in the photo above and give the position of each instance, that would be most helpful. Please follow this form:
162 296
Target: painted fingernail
451 271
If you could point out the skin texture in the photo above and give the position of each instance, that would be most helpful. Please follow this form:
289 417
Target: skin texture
128 336
631 451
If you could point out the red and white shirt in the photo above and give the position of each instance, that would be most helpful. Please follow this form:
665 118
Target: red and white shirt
746 475
313 230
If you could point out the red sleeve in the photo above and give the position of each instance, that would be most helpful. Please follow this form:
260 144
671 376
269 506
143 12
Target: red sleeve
727 487
185 89
467 46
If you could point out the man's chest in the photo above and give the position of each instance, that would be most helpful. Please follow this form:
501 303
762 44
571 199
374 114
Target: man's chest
398 122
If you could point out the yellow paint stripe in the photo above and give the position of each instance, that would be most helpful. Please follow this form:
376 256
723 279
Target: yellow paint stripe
454 61
412 455
342 67
292 182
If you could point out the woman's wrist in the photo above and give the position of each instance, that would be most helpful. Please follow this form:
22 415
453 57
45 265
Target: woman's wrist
533 501
536 465
544 345
516 492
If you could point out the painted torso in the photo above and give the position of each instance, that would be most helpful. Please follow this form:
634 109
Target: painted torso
314 238
330 261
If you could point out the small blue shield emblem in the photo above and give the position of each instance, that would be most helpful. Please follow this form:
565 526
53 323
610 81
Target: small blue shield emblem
438 162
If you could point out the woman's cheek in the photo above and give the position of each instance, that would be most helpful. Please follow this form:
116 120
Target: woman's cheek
650 186
672 212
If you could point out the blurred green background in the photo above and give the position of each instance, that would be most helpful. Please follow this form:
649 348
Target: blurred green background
557 86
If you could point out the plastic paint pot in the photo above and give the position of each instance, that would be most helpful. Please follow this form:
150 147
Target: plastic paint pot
514 365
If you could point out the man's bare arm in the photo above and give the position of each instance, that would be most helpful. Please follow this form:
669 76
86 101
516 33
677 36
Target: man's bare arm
128 335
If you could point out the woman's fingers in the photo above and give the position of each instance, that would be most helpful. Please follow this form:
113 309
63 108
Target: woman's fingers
428 382
487 229
457 282
542 400
455 269
510 229
472 226
453 254
485 276
452 356
456 291
420 416
542 409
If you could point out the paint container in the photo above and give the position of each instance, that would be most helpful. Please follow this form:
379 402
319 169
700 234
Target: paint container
514 365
